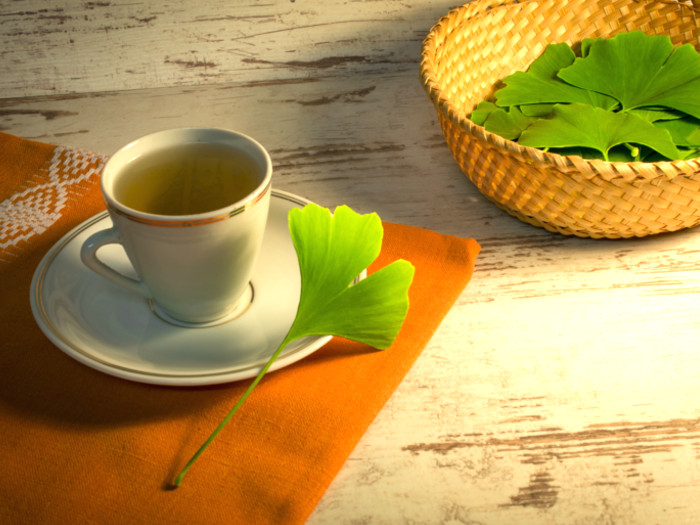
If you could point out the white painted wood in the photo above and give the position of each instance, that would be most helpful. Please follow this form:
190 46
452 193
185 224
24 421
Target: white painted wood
78 46
561 388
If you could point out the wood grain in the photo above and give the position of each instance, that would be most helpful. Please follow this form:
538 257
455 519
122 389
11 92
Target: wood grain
560 389
107 46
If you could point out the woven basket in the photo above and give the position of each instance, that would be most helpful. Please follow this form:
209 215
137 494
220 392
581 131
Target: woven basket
475 46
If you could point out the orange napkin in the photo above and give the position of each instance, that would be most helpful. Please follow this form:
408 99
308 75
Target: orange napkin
78 446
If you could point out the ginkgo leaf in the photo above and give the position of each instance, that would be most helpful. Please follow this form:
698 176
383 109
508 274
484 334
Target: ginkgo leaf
616 154
693 137
333 250
536 110
582 125
686 154
684 132
482 111
656 114
586 44
689 153
540 84
508 123
640 70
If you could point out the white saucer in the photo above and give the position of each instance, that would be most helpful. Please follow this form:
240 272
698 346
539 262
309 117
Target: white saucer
112 330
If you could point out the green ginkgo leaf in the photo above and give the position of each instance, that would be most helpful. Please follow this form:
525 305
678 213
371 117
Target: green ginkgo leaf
586 44
689 153
623 153
639 71
684 132
574 125
693 138
333 250
656 114
536 110
482 111
540 84
508 123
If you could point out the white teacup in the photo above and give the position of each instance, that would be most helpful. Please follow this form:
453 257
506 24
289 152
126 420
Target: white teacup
189 206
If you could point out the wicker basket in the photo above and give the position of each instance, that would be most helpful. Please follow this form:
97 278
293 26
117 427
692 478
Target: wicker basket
475 46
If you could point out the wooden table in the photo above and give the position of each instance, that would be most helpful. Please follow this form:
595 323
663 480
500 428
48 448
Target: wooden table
561 388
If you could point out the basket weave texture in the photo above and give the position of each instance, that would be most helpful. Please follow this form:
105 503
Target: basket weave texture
475 46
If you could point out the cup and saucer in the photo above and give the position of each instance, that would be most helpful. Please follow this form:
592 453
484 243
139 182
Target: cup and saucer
115 331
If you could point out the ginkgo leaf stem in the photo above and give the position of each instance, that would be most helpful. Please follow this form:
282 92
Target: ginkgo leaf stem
634 150
249 390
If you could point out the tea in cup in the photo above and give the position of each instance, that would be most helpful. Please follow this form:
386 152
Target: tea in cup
189 206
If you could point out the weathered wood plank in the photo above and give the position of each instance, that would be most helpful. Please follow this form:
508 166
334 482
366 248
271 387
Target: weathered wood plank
82 46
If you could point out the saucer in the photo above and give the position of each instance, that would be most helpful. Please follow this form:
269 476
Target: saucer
110 329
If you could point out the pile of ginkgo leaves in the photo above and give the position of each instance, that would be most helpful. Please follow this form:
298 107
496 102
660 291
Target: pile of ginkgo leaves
633 97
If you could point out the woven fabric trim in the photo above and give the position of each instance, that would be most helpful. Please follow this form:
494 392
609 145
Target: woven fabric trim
29 213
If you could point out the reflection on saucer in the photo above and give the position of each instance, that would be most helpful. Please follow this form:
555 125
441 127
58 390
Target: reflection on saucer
241 307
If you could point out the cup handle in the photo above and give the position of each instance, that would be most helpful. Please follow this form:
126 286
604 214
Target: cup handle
88 254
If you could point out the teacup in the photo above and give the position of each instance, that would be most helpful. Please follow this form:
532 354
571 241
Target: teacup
189 206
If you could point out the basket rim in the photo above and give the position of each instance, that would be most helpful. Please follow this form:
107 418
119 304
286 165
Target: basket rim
565 163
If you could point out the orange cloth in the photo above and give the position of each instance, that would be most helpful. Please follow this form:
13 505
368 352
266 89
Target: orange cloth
78 446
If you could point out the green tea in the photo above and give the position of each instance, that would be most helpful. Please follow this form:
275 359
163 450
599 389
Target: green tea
187 179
